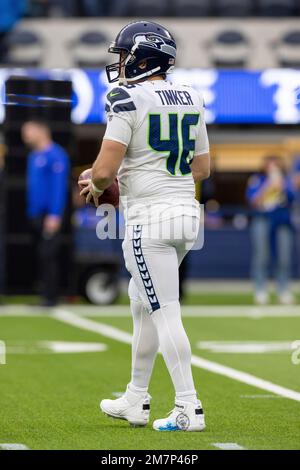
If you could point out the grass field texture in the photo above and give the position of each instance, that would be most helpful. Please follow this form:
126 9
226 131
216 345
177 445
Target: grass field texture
51 385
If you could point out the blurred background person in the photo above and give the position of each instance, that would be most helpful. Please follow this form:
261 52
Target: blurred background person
10 12
270 194
295 172
292 148
47 192
213 216
2 251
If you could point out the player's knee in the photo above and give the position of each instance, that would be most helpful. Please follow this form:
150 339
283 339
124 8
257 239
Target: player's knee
184 349
125 248
169 326
133 291
149 348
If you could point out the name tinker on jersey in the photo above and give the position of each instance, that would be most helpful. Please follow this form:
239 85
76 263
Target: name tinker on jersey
163 126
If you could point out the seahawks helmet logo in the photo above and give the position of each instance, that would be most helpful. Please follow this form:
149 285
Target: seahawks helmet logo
157 42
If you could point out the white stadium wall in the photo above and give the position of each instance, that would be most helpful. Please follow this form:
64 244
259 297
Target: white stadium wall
261 48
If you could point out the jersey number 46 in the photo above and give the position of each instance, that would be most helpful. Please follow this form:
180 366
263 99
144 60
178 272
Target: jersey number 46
179 146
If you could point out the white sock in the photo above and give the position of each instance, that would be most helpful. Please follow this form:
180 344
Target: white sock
176 350
188 397
134 394
144 344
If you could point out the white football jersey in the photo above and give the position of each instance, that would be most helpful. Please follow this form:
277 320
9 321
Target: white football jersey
163 127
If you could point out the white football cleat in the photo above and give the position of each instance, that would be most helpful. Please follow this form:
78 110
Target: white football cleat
286 298
261 298
184 417
136 414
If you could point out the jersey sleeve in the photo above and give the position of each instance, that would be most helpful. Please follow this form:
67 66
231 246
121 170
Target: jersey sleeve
121 115
202 143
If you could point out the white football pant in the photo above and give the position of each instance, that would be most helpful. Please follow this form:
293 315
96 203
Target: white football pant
152 255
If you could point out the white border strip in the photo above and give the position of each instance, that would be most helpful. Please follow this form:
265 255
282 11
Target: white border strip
226 311
245 378
13 447
22 311
228 446
90 325
119 335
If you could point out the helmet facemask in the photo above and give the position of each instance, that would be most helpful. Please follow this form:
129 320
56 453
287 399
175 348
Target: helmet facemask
118 68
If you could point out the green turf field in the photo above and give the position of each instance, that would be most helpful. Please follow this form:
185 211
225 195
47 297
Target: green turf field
50 394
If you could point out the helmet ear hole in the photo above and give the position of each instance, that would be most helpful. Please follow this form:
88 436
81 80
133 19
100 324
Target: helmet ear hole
142 64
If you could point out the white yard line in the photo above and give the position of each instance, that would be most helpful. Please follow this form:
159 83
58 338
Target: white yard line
260 396
228 446
90 325
197 311
244 377
119 335
22 311
246 347
54 347
13 447
194 311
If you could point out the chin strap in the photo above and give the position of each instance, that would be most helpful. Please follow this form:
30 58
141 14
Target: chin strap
124 81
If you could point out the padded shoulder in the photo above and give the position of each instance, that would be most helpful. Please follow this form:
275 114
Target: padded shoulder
119 99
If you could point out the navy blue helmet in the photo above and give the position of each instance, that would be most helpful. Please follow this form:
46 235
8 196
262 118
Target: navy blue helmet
139 41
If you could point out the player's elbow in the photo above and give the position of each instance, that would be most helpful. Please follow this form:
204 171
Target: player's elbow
201 167
205 173
201 175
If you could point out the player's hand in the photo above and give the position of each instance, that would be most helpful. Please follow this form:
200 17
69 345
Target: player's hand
52 224
90 192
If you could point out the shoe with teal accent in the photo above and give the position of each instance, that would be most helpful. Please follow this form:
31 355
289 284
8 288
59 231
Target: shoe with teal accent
184 417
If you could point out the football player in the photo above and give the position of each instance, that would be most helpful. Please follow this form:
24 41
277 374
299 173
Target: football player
156 143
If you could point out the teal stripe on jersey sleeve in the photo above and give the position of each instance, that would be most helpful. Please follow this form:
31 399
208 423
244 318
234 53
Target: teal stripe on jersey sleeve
118 108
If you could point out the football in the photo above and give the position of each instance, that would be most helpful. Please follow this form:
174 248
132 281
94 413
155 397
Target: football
110 195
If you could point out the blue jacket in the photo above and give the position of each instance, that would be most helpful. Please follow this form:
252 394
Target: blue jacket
10 12
47 181
296 171
276 205
296 165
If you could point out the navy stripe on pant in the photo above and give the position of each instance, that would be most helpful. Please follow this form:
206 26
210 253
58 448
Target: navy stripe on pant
142 266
